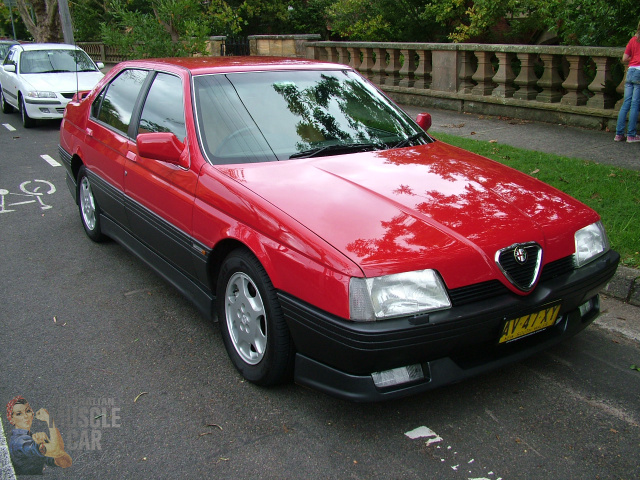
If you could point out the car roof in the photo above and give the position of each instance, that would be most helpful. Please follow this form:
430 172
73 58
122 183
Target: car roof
48 46
207 65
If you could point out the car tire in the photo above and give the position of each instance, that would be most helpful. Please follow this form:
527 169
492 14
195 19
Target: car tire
253 328
6 108
88 207
27 121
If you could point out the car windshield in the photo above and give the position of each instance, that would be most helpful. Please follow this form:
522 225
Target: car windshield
55 61
268 116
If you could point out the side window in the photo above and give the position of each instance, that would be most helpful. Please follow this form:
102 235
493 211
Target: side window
163 109
10 60
114 106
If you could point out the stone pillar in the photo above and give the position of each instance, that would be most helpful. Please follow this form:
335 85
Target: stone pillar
444 70
423 70
354 57
550 82
466 72
378 68
484 74
393 67
601 99
576 81
343 55
408 68
366 67
504 76
526 79
332 54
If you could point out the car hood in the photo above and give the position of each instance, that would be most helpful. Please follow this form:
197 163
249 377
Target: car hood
62 81
432 206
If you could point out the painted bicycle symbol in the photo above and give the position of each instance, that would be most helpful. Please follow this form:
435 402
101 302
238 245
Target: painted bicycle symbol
32 189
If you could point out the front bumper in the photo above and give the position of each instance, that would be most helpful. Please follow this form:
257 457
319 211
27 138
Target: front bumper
338 356
45 109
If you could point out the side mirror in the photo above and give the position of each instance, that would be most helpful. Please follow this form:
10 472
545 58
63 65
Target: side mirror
9 68
163 146
424 120
100 65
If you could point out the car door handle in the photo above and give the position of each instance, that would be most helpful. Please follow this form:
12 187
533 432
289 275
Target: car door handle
90 132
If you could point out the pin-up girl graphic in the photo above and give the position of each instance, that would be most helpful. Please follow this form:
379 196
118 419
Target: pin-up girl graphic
30 452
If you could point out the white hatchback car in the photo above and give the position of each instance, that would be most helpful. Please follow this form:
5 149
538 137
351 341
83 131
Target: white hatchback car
39 79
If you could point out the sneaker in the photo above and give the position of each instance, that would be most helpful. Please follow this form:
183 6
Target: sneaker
620 138
633 139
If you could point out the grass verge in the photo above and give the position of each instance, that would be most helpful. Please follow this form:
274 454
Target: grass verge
611 191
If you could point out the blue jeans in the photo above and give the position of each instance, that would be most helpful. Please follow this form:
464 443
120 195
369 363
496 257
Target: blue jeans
631 104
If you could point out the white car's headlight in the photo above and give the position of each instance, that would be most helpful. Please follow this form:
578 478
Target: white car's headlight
591 242
396 295
36 94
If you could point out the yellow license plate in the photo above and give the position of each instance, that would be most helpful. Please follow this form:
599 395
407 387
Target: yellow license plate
527 324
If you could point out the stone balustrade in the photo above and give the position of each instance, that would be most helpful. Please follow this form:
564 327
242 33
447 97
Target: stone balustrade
580 86
569 85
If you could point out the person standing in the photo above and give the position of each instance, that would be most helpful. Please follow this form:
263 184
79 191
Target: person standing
631 103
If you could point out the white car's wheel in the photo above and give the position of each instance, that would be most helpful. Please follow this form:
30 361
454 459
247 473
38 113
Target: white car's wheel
27 121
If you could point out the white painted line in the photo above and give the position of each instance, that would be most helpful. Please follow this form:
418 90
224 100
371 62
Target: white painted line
8 127
50 161
6 469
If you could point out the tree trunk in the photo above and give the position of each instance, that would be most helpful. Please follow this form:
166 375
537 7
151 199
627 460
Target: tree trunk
44 26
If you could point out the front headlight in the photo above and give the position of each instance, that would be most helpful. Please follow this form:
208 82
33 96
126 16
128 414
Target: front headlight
591 242
36 94
409 293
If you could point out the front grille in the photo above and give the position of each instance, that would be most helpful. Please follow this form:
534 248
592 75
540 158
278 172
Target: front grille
520 264
476 292
494 288
557 268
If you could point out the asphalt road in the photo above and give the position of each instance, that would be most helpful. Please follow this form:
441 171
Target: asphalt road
140 386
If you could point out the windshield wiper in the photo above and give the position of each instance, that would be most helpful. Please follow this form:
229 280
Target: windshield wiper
336 149
409 140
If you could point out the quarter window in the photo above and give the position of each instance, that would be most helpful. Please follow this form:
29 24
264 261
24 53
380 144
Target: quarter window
164 108
114 106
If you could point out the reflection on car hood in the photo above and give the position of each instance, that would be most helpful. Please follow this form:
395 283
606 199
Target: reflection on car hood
62 81
432 206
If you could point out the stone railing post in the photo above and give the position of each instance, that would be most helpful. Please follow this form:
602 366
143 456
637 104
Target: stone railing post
343 55
354 57
550 82
423 70
601 97
504 77
407 72
466 72
576 81
526 79
393 67
331 54
484 74
366 67
380 65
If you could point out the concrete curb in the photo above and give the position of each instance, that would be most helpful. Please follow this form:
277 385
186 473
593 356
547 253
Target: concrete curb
625 286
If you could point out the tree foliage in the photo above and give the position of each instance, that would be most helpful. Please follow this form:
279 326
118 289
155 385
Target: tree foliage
162 28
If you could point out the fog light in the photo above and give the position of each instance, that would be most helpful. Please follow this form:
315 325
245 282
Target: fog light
44 110
586 307
398 376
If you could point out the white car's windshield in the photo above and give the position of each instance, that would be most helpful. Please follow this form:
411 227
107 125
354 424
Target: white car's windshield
267 116
55 61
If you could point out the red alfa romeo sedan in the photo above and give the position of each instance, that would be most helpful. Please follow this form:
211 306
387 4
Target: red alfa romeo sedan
335 241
